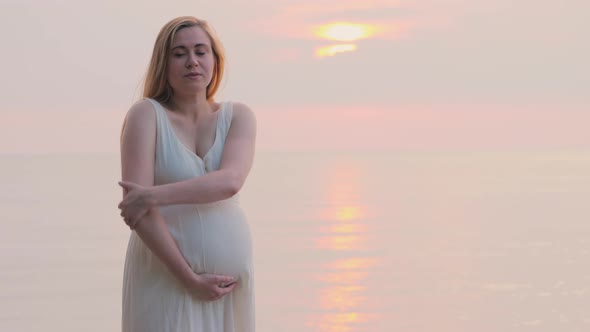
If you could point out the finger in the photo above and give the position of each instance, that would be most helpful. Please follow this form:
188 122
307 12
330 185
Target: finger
125 189
134 221
135 224
130 221
124 203
226 290
229 286
223 280
128 185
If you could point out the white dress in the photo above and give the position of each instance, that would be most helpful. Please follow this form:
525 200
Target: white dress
213 238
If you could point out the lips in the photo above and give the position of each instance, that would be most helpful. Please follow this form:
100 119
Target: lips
193 75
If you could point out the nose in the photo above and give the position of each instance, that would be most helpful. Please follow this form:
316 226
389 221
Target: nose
192 61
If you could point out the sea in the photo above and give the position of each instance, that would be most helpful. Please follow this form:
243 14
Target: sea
344 241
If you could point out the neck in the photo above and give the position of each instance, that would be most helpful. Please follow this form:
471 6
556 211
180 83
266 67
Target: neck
191 105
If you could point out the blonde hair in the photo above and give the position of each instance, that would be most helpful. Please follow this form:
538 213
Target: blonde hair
156 84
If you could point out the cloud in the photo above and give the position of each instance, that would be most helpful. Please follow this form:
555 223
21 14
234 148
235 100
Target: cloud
332 50
300 21
305 24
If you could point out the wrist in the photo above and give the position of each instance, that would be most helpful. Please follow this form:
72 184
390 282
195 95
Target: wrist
154 196
193 281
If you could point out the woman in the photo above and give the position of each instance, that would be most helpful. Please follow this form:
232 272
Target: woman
184 159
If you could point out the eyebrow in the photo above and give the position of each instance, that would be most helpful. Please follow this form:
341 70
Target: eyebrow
196 45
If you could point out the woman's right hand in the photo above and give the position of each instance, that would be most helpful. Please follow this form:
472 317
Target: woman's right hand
211 287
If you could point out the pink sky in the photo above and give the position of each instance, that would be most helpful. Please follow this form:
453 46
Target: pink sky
439 74
308 128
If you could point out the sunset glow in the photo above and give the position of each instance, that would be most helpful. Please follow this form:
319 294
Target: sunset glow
348 228
342 297
341 242
342 31
354 263
332 50
348 213
348 277
344 229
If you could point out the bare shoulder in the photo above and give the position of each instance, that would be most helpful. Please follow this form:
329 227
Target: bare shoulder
142 113
139 128
242 112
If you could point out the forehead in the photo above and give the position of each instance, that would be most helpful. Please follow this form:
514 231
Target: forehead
189 37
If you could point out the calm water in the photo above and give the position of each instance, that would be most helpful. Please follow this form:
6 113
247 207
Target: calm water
396 241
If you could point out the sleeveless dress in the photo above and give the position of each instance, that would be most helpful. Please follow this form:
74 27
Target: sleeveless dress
214 238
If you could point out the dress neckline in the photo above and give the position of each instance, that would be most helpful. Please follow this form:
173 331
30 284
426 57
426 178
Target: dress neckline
177 139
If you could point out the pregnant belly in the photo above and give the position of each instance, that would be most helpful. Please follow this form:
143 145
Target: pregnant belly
215 238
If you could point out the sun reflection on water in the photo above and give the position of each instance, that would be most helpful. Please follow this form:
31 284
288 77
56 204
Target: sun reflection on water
342 299
341 242
349 213
345 228
343 322
354 263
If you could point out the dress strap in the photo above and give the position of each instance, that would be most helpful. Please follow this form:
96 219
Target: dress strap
163 134
226 116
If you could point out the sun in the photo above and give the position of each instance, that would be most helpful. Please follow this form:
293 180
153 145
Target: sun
344 31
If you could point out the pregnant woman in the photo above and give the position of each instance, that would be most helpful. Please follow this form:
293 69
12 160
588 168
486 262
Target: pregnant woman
184 159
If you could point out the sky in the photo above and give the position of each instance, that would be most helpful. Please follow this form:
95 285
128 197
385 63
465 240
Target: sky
452 74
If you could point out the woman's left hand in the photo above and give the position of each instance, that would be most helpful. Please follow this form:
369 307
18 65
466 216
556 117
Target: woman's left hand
136 203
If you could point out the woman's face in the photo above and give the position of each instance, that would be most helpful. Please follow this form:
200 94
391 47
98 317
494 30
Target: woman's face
191 62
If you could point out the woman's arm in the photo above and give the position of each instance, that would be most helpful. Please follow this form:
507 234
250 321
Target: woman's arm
138 144
236 162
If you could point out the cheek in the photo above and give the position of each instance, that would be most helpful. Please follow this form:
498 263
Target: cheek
174 66
174 70
208 61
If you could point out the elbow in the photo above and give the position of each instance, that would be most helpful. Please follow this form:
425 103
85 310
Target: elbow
234 184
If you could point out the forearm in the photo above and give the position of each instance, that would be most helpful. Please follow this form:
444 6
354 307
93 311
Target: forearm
211 187
155 234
